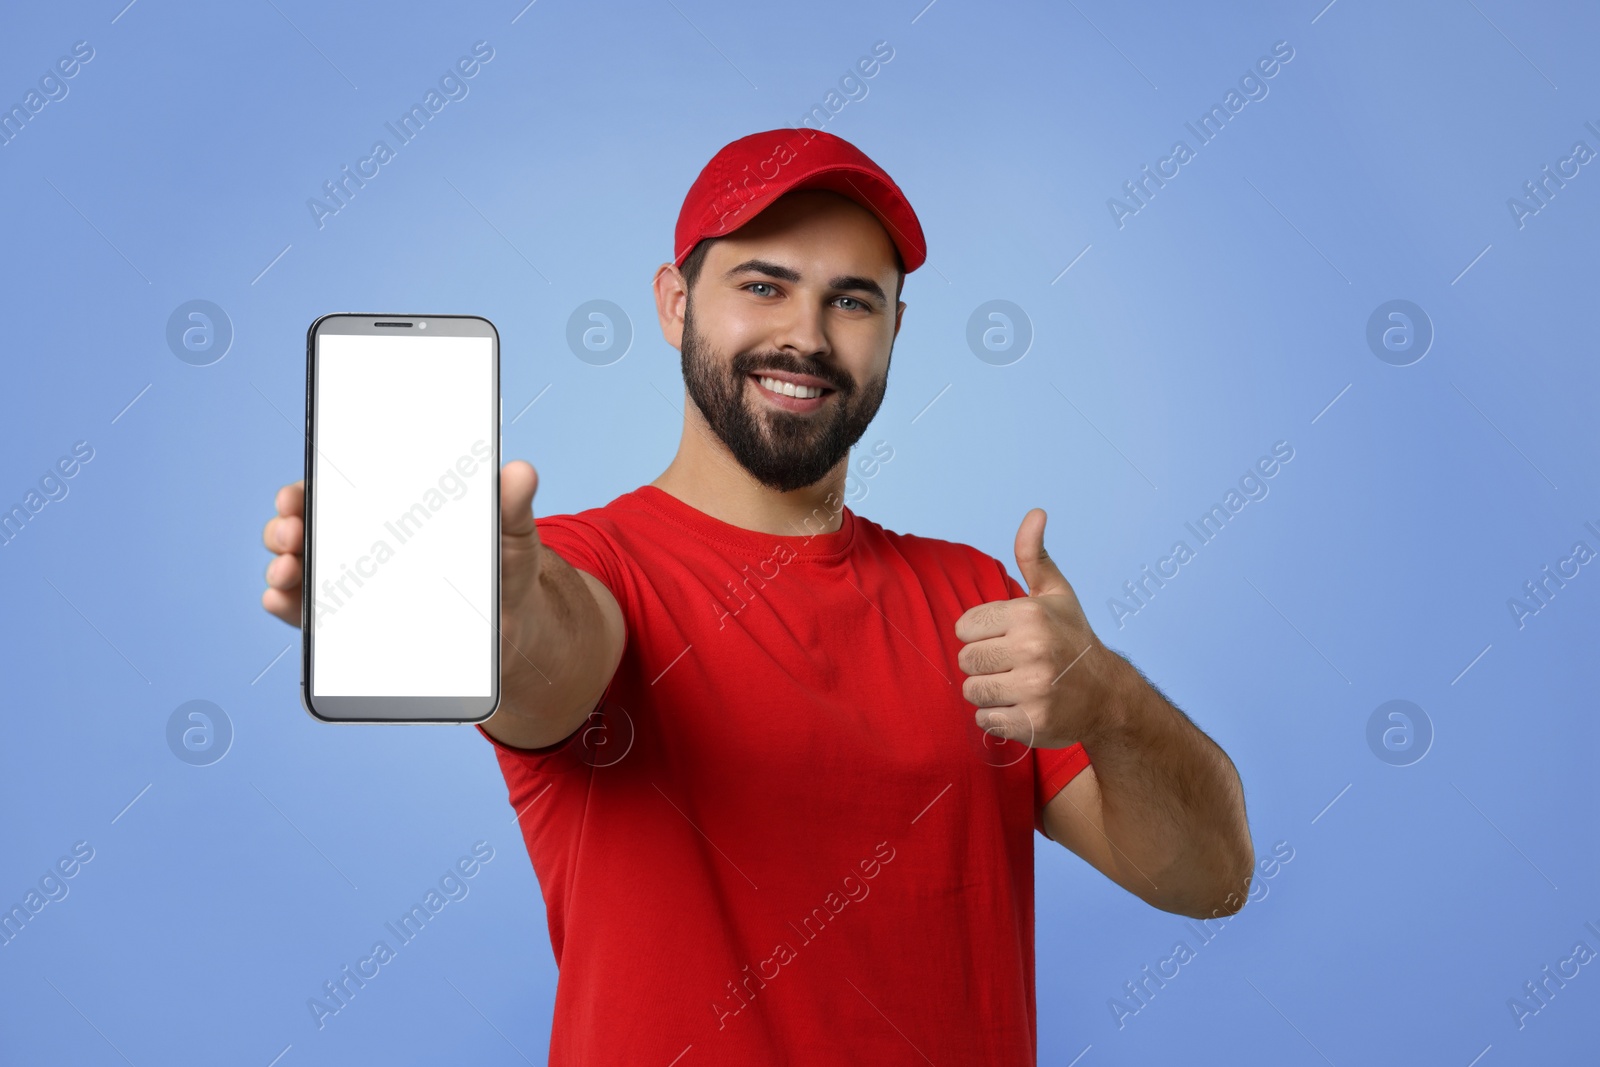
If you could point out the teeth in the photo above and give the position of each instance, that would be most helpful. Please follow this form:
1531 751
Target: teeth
804 392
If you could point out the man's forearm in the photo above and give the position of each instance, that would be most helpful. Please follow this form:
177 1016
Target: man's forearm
1171 800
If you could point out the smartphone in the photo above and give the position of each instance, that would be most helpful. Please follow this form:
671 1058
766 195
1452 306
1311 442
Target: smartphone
401 605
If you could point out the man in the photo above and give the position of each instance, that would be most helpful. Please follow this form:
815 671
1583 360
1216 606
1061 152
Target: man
778 769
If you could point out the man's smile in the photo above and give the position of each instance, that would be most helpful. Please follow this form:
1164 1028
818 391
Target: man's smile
792 392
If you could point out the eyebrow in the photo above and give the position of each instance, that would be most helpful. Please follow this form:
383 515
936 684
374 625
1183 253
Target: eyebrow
846 282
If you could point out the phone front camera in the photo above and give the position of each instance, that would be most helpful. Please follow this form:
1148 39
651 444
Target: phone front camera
422 326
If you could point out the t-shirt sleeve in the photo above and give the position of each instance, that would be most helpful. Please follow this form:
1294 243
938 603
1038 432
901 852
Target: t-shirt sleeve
585 547
1053 768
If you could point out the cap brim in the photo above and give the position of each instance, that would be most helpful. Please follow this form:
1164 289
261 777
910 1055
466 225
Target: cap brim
885 202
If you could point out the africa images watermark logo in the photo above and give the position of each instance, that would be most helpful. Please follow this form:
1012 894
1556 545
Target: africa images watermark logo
1140 190
740 597
1540 991
1252 487
453 885
52 487
51 888
853 887
334 591
52 88
1141 989
1542 189
452 86
1539 591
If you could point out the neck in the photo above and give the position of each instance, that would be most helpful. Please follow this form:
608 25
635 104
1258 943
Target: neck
705 476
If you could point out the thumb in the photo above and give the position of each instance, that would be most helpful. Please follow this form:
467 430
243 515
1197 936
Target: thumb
519 537
1038 569
518 482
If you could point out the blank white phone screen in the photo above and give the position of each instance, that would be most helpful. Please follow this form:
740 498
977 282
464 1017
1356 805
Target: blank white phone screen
403 520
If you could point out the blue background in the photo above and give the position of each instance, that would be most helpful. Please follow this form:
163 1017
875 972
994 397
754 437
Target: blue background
1228 314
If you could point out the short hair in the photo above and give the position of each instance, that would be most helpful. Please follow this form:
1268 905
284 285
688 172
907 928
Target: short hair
697 258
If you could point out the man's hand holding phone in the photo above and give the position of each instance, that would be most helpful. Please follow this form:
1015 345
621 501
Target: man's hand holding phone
561 630
285 535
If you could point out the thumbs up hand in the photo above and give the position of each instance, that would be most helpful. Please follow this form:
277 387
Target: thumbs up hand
1036 671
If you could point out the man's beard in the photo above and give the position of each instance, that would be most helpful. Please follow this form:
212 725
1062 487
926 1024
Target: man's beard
782 450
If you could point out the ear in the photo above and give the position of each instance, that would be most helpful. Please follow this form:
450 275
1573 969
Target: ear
672 295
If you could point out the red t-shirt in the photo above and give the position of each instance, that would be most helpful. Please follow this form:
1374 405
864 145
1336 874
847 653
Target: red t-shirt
783 838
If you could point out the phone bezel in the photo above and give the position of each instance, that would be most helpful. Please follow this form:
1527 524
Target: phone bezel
391 709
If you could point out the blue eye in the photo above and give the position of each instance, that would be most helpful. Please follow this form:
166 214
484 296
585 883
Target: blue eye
766 284
854 301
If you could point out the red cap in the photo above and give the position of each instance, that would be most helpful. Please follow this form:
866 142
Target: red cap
747 175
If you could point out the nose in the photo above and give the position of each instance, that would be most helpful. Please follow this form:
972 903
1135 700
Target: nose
802 331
